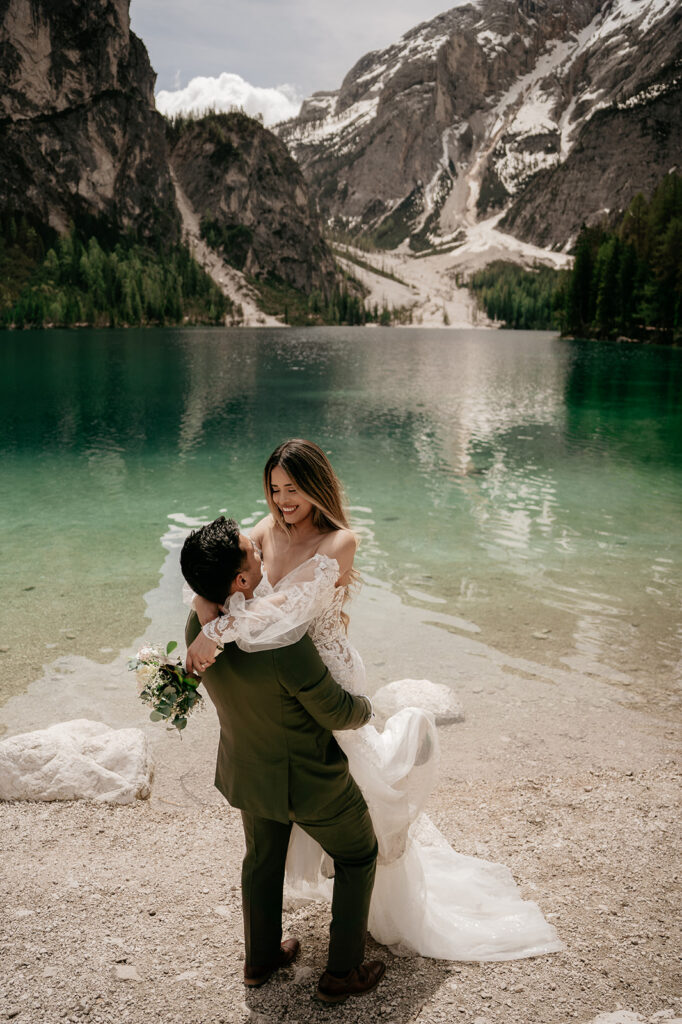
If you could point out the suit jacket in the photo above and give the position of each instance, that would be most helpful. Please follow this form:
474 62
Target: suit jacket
276 710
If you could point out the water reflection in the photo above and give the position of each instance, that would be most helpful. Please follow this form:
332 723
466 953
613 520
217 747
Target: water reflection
533 485
216 385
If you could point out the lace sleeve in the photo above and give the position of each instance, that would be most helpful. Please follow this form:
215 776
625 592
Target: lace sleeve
283 616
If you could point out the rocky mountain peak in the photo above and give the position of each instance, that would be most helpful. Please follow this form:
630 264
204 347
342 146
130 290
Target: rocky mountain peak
455 120
252 200
81 136
82 142
43 47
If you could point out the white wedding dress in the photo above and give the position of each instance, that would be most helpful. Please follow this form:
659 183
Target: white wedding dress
427 899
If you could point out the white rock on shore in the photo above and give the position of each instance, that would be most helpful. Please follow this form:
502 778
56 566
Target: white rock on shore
418 693
78 760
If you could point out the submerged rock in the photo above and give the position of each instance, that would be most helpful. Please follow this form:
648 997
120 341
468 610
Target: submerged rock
78 760
418 693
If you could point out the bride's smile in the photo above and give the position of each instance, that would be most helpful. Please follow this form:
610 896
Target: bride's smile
291 503
427 897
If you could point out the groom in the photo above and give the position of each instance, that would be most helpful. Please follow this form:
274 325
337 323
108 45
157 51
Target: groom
279 763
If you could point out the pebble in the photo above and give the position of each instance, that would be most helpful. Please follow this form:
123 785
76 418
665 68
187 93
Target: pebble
126 972
81 940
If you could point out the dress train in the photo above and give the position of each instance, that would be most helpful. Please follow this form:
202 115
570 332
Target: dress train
428 899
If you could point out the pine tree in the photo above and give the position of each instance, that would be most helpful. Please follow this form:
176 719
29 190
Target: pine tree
578 312
606 277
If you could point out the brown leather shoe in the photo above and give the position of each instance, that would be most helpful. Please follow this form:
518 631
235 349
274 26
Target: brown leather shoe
358 981
288 951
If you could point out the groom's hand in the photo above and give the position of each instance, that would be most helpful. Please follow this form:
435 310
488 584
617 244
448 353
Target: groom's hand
200 654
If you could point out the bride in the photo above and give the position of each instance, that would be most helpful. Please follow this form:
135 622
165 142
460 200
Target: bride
427 898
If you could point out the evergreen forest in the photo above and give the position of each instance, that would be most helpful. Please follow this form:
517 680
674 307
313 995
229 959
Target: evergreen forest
104 280
83 278
527 300
626 280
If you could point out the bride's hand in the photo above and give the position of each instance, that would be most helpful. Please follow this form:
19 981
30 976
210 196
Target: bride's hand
206 610
200 654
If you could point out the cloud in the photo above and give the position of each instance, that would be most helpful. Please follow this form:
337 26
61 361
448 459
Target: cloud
227 91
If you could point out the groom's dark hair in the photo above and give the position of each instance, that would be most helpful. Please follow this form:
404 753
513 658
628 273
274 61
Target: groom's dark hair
211 558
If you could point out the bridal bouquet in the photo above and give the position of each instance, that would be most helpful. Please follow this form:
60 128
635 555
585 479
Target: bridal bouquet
163 683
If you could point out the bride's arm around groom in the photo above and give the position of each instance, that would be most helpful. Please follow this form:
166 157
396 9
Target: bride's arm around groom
279 763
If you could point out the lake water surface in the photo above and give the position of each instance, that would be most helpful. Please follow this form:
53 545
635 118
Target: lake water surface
529 488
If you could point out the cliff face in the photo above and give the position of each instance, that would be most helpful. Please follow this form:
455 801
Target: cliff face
470 113
79 134
81 140
623 149
241 179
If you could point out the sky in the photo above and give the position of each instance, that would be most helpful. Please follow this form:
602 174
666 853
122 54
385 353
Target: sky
264 55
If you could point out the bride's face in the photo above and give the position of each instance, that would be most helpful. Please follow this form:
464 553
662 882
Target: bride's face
291 503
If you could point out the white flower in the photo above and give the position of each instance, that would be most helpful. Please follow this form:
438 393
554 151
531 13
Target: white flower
152 652
145 675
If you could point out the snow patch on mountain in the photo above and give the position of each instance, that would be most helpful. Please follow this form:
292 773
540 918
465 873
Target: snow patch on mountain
335 126
649 93
491 41
532 107
488 97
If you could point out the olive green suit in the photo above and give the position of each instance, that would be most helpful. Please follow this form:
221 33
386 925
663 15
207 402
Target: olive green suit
279 763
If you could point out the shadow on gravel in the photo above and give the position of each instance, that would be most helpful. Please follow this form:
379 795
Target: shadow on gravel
408 984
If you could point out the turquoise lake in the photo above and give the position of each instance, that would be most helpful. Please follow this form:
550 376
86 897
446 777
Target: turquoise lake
527 486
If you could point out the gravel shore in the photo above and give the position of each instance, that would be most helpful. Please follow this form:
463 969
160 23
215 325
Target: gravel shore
132 914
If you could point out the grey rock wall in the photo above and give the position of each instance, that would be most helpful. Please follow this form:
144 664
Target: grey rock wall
79 134
241 177
487 108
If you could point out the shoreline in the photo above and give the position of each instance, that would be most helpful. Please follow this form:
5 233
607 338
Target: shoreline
433 322
84 649
124 913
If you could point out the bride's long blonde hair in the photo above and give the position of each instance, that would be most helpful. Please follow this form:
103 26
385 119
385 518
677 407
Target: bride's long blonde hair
308 467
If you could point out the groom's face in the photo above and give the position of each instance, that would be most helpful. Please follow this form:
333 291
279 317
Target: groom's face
251 571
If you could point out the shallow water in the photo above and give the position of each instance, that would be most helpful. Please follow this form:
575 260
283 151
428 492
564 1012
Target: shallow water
527 487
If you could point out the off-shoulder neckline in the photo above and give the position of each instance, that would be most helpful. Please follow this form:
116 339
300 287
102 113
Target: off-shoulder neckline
317 557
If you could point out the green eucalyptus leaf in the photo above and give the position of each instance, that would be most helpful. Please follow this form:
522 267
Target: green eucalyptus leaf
156 717
171 646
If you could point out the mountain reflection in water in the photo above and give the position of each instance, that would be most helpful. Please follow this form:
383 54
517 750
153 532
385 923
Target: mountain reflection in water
532 485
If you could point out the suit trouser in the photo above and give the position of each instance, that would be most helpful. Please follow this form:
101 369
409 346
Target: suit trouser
348 837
